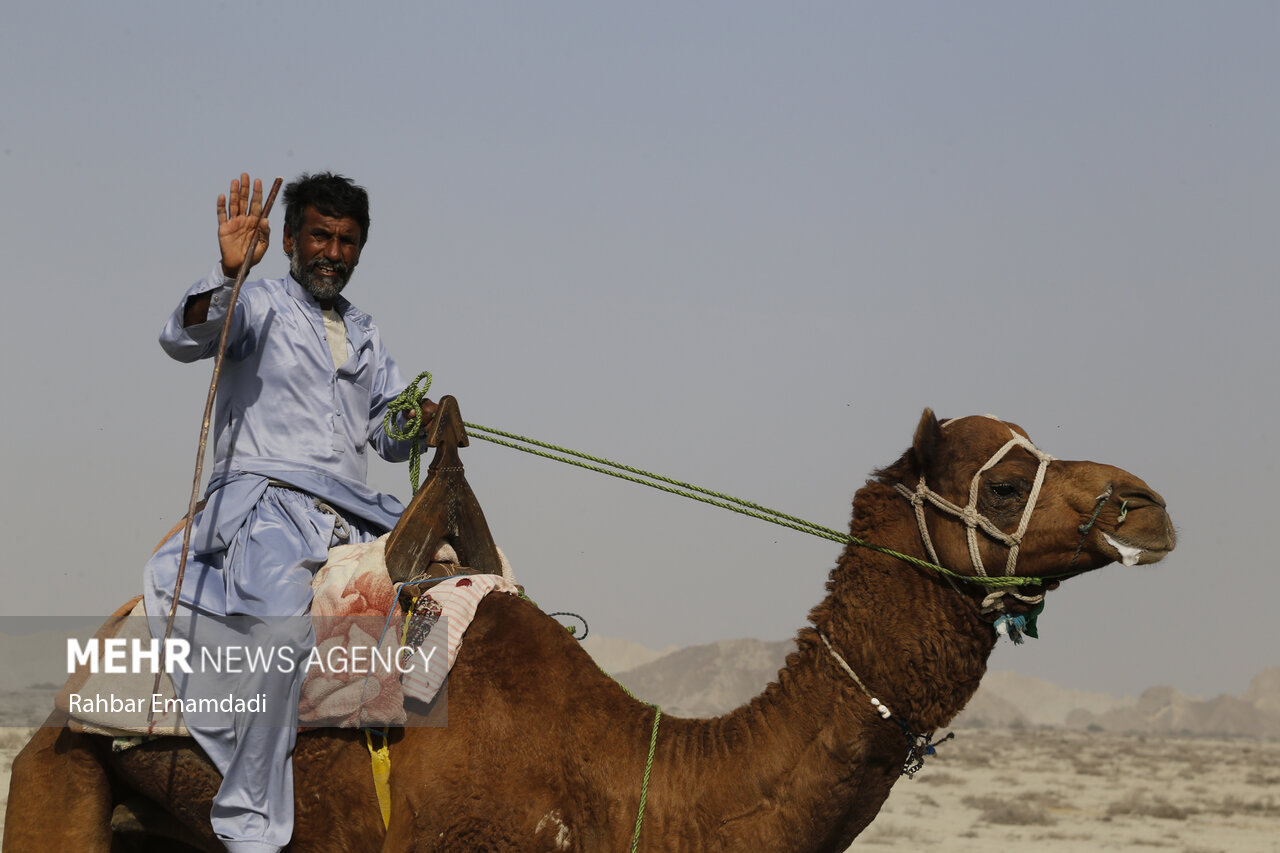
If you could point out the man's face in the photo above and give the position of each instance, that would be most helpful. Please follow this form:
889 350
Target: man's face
324 253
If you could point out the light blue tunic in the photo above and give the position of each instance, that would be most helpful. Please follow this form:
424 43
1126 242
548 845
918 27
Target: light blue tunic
283 414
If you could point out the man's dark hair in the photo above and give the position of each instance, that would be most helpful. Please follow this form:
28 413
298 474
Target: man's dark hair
330 195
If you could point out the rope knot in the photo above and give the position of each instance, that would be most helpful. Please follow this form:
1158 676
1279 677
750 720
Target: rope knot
409 400
916 498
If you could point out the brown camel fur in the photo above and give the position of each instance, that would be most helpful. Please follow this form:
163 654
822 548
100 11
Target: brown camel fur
546 753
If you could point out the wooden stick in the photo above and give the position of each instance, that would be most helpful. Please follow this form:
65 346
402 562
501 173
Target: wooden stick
204 429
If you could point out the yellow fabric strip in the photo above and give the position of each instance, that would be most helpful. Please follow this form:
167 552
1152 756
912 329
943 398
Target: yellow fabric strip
380 760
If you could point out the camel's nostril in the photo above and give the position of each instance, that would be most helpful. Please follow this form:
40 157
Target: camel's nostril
1138 497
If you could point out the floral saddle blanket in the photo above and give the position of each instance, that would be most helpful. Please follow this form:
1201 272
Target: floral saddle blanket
369 654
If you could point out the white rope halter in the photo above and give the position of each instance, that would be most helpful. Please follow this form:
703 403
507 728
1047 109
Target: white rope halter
973 519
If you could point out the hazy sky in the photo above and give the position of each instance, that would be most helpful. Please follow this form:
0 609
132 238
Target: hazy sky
740 243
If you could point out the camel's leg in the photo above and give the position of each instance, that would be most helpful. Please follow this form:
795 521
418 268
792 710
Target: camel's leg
59 794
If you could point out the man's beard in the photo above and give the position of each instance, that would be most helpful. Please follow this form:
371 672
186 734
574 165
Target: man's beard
321 287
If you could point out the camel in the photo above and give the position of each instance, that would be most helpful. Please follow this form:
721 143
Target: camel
544 752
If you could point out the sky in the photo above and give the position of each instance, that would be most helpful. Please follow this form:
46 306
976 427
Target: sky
742 244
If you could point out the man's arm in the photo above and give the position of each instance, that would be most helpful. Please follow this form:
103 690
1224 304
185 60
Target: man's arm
235 231
186 336
388 383
193 329
197 309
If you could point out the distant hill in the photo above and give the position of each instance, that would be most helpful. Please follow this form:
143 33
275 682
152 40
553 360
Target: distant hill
1009 699
617 655
703 681
707 680
1163 710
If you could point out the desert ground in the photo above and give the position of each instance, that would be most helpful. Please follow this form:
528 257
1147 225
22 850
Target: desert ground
12 739
1057 791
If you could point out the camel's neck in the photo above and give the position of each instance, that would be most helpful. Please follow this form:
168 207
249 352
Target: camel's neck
810 761
915 641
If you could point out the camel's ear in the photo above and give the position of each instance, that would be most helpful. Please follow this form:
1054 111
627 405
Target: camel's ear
927 440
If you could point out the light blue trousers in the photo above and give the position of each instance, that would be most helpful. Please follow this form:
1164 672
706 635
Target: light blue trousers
255 650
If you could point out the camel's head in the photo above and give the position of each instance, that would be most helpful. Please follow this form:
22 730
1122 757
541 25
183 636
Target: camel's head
989 501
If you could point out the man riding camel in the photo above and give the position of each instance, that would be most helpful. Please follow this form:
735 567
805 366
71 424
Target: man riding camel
303 393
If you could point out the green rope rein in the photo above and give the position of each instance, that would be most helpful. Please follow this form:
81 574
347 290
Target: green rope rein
719 499
644 784
724 501
409 400
653 740
648 762
408 404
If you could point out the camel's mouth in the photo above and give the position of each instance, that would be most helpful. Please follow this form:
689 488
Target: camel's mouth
1133 554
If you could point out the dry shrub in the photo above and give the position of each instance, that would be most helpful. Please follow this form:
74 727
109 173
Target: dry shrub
969 750
1141 805
14 738
1089 768
1264 807
940 778
1022 811
1058 835
1017 814
890 834
1258 778
981 801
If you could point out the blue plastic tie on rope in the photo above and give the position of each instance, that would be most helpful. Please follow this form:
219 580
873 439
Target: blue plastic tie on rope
1011 626
1014 627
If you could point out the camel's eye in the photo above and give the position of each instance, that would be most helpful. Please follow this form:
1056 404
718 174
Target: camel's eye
1003 490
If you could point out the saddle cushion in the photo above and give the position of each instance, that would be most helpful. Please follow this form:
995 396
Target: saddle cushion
355 614
435 646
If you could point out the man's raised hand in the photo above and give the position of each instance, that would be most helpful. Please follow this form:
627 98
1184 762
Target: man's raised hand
236 213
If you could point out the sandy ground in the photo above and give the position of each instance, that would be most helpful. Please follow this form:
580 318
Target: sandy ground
1055 791
12 739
